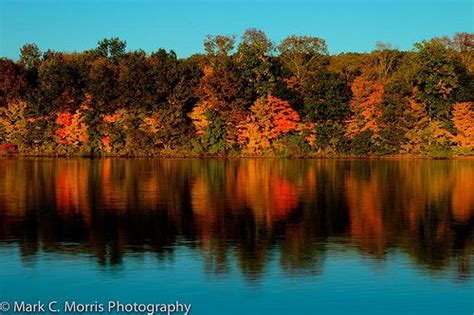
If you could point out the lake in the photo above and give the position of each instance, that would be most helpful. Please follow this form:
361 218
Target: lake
243 236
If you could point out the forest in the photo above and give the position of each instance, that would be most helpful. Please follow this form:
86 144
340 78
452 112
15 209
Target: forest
245 97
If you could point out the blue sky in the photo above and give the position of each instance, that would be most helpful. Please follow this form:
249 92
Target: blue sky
346 25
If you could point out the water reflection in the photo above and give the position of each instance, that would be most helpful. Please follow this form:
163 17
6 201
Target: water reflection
243 211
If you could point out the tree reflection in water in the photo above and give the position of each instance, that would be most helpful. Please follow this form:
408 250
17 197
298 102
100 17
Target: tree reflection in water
241 210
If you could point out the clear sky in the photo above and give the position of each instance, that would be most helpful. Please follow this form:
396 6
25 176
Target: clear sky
346 25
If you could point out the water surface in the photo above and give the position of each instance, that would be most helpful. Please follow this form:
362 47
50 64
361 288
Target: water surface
241 236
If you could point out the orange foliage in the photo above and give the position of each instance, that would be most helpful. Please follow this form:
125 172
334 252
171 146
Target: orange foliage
420 121
112 118
200 120
72 128
285 118
106 144
208 70
365 105
292 83
64 119
463 118
234 119
269 119
416 111
210 99
311 139
109 120
211 93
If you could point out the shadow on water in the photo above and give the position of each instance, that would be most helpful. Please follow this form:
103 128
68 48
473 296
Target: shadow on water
244 211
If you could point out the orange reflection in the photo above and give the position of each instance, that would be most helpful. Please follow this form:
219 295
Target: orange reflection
423 207
462 197
365 208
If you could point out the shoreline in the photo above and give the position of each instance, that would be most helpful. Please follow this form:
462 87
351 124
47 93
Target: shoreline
243 157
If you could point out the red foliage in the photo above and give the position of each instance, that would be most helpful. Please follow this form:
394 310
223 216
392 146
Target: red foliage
285 118
64 120
8 149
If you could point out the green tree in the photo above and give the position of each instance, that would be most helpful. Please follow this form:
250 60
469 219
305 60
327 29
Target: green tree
102 83
113 48
30 56
382 63
435 77
135 85
219 45
254 61
300 54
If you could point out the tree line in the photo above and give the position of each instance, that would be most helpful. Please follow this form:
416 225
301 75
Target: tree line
250 97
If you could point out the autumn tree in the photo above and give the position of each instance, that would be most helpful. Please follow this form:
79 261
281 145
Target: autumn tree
463 119
243 96
269 119
13 123
72 126
221 86
221 95
365 106
320 95
424 135
364 123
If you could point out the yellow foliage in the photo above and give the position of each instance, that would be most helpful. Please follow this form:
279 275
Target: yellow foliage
463 118
200 120
150 124
423 131
269 119
13 122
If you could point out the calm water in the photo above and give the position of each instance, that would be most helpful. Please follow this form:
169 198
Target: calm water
241 236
